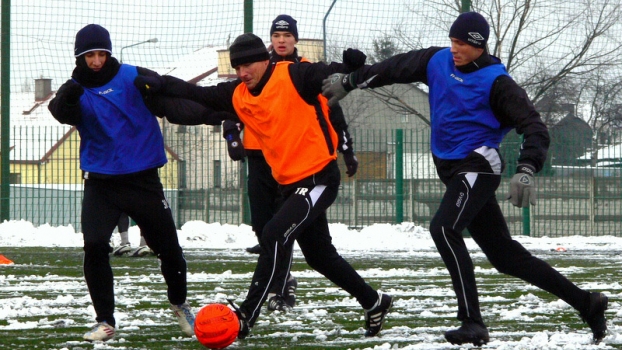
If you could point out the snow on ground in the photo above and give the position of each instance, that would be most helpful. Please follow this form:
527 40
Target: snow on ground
377 237
405 238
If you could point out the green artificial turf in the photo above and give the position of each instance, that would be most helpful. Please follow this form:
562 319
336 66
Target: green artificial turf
325 318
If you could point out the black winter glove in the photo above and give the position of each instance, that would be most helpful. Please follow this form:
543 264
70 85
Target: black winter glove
336 87
72 92
352 163
149 84
523 186
231 131
354 59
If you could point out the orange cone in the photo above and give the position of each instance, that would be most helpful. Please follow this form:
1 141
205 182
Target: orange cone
4 260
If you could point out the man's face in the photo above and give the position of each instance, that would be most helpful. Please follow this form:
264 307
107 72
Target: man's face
95 59
283 43
251 73
464 53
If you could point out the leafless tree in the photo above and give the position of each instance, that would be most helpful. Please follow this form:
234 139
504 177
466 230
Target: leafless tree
542 42
550 47
553 105
356 111
603 94
384 46
397 104
353 110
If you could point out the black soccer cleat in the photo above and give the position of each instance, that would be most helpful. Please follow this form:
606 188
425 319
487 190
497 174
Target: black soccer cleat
278 303
254 249
290 289
470 332
245 329
594 315
374 318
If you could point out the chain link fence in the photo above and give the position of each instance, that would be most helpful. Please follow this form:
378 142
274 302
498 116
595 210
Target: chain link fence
564 54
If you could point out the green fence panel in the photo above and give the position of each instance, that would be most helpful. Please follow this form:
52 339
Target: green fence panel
546 53
202 183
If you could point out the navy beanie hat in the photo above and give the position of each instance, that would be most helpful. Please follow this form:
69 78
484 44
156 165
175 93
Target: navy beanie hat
247 48
472 28
90 38
284 23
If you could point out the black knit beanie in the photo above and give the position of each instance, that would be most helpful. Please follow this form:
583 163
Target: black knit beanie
91 38
472 28
284 23
247 48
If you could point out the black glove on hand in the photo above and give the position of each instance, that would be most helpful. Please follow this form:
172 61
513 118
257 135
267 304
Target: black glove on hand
72 92
352 163
523 186
354 59
149 84
336 87
234 142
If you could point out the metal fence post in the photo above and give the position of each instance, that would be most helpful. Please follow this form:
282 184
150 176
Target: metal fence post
248 16
5 136
466 6
246 207
399 176
592 191
526 221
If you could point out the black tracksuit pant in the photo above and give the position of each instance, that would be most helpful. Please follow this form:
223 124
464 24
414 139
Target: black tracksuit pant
470 202
264 197
141 196
302 218
123 224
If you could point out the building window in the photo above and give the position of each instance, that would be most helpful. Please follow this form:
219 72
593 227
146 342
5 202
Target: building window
217 128
15 178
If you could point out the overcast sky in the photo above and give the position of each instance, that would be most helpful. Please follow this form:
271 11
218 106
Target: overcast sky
43 33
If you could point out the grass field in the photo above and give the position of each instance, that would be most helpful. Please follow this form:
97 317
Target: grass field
44 303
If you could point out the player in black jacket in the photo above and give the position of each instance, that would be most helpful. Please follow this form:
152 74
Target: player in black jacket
263 192
302 154
121 149
473 104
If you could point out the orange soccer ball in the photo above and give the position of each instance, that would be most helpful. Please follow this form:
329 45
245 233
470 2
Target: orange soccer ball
216 326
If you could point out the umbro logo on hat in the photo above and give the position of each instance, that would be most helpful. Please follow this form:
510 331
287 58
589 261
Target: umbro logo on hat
282 24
